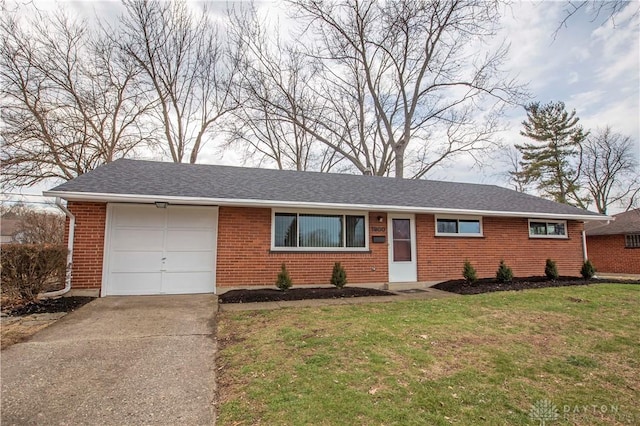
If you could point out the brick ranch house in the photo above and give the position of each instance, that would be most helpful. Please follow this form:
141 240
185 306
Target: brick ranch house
143 227
615 246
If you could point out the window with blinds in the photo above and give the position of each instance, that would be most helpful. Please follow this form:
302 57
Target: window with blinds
632 241
319 231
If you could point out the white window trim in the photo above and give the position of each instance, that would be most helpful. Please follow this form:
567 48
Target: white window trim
557 237
321 212
459 234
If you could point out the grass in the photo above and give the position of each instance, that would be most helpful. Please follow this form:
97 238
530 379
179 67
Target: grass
17 332
482 359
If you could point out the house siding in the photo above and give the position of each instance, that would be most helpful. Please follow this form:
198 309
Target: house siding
608 254
244 255
88 244
442 258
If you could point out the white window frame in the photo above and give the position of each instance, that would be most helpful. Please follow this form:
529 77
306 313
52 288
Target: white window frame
321 212
548 221
459 218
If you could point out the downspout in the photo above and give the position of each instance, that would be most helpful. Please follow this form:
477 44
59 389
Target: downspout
72 228
584 246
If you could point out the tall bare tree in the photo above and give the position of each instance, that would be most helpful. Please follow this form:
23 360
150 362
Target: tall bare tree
395 85
258 127
188 65
68 99
512 158
596 9
609 171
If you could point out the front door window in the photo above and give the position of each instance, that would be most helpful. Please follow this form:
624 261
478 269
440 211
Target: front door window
401 240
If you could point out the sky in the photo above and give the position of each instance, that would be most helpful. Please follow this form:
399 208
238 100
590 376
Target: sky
593 65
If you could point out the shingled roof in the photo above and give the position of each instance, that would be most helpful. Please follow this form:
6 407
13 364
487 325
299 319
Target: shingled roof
623 223
148 181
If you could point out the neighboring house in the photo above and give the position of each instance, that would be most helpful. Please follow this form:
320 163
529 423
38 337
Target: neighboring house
9 230
615 246
150 228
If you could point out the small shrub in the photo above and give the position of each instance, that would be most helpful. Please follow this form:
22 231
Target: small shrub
284 281
339 275
29 269
588 270
504 273
551 270
469 272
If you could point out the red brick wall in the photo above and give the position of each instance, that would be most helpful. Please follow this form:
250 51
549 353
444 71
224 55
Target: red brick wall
442 258
608 254
88 243
245 256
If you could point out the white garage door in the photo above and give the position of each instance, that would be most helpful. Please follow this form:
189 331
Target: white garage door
154 250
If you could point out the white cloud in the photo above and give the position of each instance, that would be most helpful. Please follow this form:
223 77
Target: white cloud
580 54
574 77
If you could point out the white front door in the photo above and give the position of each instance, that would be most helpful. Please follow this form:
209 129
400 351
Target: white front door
402 248
152 250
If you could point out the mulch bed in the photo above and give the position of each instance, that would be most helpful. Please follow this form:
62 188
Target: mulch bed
63 304
487 285
300 293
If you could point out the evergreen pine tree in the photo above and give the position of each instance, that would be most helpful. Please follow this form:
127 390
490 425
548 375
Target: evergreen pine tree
339 275
469 272
284 281
547 161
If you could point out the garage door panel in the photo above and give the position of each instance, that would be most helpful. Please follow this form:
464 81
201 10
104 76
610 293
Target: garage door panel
195 261
140 236
136 261
132 239
189 282
199 239
145 216
128 283
190 217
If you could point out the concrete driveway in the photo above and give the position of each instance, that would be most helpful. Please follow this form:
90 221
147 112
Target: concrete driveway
118 360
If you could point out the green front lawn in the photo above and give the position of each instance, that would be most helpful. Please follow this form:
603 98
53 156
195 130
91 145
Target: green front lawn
484 359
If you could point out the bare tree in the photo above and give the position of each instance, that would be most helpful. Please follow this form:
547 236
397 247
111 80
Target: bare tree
604 10
186 63
512 159
33 225
68 101
609 171
395 84
258 128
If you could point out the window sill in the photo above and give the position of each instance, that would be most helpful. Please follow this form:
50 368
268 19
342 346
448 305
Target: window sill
458 236
345 251
547 237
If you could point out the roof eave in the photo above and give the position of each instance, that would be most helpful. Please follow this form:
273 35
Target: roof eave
204 201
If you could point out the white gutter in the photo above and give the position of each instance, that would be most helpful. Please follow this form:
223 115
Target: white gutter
203 201
67 281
